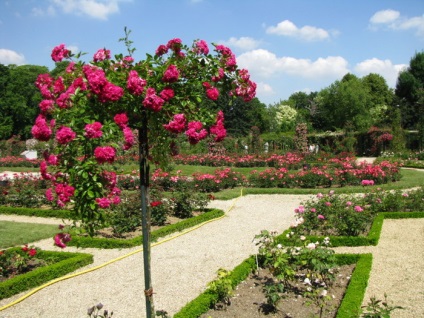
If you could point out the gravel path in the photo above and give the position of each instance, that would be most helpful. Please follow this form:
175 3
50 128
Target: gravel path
182 267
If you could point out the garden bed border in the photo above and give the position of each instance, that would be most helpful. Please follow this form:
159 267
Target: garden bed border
350 306
66 262
371 239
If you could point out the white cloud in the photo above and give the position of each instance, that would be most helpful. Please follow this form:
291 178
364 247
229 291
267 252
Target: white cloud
11 57
385 68
384 16
242 43
266 65
98 9
264 89
393 20
308 33
74 49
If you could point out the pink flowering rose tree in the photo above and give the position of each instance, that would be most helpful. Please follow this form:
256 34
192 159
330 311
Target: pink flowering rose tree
90 113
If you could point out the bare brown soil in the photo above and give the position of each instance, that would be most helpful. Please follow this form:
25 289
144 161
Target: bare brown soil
249 300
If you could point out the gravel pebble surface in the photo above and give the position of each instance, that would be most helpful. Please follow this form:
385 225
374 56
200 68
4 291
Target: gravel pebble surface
182 267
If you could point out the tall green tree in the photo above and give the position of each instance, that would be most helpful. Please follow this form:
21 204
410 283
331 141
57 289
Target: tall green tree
19 98
409 84
380 99
344 103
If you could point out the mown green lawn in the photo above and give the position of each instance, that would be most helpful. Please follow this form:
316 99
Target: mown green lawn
16 233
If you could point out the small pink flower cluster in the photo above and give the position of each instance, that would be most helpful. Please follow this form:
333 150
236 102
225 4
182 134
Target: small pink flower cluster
65 135
195 132
59 53
218 129
99 85
61 239
367 182
93 130
122 121
135 83
105 154
177 125
41 130
152 100
171 74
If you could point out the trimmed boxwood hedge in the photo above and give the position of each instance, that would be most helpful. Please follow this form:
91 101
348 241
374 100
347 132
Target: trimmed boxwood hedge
350 306
371 239
61 263
86 241
47 213
107 243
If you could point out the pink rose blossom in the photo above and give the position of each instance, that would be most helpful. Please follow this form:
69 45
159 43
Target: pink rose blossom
61 239
171 74
65 135
58 86
129 138
121 120
111 93
70 68
313 210
105 154
59 53
319 195
46 105
201 47
96 78
300 209
49 195
103 203
212 93
321 217
348 203
135 83
195 132
167 93
53 160
218 129
225 51
220 76
357 208
153 101
43 80
177 125
174 45
93 130
41 131
328 203
161 50
128 59
101 55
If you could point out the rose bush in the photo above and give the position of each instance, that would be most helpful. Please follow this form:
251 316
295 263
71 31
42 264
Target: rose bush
88 108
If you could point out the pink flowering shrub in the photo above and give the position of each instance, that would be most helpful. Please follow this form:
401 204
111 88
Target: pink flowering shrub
91 106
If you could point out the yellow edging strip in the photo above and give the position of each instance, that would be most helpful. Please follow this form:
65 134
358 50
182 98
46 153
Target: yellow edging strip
116 259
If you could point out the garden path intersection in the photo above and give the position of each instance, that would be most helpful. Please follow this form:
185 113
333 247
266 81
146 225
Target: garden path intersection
183 266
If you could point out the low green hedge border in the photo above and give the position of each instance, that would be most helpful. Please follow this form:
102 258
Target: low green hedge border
63 263
371 239
47 213
106 243
350 306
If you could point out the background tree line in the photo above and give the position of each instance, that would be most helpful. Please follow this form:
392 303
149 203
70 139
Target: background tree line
348 104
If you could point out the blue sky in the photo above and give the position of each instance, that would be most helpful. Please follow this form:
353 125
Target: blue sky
287 45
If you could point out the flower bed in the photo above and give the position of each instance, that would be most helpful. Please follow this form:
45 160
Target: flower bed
61 263
349 307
